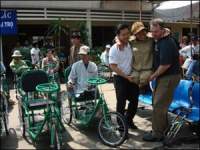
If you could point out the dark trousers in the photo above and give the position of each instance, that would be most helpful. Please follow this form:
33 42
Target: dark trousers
126 90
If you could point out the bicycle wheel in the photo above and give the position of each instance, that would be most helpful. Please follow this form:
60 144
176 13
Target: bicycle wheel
66 108
112 129
172 132
5 113
55 139
22 120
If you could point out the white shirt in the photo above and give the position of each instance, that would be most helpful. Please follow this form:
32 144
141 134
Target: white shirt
79 75
35 57
123 58
187 63
186 51
105 58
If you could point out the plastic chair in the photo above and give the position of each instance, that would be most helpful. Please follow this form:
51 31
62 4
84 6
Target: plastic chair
194 115
181 95
147 97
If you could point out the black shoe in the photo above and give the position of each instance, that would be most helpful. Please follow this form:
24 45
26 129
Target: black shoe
132 126
151 138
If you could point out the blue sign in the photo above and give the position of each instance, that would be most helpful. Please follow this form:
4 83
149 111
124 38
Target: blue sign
8 22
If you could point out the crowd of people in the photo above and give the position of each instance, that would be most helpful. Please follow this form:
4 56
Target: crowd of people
189 56
137 57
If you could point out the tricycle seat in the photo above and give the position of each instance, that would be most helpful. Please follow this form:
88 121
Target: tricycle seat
85 96
39 103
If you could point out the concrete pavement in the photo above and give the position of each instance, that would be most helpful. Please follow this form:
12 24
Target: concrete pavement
87 138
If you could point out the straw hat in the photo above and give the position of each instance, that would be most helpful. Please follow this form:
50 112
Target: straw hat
84 50
137 27
16 53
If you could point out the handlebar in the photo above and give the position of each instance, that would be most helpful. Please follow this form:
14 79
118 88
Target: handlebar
96 81
47 87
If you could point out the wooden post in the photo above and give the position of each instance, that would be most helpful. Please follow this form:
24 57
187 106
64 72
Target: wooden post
89 27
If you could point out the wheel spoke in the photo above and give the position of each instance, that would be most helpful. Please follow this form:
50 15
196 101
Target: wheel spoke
112 129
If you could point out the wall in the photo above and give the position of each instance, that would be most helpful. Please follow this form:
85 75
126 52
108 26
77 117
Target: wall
109 5
178 27
51 4
126 5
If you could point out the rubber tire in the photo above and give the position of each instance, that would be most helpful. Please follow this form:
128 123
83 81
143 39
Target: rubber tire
5 124
22 120
169 140
126 131
5 119
57 144
68 121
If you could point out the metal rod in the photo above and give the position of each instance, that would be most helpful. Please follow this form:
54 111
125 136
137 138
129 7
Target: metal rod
191 25
140 10
191 16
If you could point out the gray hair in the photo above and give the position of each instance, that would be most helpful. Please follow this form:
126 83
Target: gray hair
157 22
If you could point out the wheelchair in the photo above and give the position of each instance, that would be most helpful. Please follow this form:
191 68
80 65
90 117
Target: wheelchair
17 76
89 106
38 108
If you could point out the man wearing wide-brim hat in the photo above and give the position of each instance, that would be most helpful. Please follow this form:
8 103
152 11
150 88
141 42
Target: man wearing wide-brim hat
17 64
142 45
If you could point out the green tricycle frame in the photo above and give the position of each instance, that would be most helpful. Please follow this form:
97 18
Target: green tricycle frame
42 99
111 124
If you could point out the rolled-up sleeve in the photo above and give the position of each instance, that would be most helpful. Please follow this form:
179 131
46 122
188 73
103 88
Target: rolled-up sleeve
113 57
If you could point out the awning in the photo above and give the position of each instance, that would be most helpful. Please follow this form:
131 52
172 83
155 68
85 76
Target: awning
180 14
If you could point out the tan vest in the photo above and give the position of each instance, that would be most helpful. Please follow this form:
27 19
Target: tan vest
74 54
142 61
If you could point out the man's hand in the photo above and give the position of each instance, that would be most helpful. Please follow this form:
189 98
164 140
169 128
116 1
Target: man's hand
161 69
152 77
69 86
119 44
129 78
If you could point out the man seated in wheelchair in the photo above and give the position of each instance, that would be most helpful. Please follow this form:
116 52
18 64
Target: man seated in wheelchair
17 65
51 65
81 71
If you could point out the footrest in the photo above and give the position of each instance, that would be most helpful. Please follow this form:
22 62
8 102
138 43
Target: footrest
39 102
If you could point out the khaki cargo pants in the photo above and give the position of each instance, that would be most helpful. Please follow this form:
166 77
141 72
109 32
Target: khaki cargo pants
162 99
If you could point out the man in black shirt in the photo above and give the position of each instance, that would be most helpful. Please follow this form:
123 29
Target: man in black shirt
167 76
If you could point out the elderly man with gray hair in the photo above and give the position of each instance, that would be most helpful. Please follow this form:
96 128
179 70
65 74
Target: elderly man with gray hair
167 76
80 72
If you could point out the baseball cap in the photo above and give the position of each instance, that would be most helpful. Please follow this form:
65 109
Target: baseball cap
108 46
84 50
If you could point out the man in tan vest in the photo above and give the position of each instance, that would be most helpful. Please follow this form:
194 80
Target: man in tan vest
142 45
76 44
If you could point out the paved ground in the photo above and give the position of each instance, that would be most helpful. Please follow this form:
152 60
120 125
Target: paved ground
87 138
